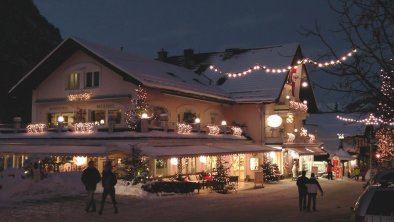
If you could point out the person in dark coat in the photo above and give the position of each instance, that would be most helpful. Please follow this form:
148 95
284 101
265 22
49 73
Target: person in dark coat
302 190
108 182
90 178
312 187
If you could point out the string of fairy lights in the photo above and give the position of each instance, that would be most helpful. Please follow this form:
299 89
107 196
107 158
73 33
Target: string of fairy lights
268 69
370 120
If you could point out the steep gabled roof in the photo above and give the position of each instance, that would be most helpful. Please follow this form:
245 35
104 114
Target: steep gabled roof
258 86
200 82
139 70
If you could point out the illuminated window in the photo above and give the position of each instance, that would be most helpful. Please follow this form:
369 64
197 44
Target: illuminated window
254 163
92 79
73 81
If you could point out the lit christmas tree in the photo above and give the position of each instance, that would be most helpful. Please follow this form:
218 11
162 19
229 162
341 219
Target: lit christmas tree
138 106
135 167
269 171
385 143
384 136
385 110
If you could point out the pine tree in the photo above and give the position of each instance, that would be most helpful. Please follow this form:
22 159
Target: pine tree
135 167
385 143
137 107
384 136
269 171
220 179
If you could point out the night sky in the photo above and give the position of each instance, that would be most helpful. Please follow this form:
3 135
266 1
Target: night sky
145 27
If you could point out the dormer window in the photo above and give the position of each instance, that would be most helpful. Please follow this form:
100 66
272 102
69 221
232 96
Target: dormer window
73 81
92 79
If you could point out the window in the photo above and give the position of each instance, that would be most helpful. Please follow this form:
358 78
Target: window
115 116
97 115
92 79
73 81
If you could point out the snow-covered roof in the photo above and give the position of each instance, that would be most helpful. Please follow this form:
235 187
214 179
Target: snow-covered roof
149 72
198 150
154 73
259 85
342 155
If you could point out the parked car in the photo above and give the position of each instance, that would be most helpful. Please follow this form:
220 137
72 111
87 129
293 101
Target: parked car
376 203
383 177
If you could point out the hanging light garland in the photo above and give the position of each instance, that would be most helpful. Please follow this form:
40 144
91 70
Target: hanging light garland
35 128
84 127
298 106
268 69
371 120
237 131
79 97
213 130
184 128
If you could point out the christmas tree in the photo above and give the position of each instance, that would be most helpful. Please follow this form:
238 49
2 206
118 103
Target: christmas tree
135 167
269 171
385 143
220 179
384 136
138 106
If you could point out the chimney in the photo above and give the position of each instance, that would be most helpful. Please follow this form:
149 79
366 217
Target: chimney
188 57
162 55
188 53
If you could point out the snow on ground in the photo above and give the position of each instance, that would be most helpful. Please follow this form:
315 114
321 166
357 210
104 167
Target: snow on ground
15 188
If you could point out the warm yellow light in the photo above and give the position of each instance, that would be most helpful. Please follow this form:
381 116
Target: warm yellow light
174 161
287 97
102 122
197 120
305 102
60 119
254 163
80 160
305 84
144 116
203 159
224 123
274 121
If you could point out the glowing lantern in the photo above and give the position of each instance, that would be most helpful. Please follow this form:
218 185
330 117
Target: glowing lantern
274 120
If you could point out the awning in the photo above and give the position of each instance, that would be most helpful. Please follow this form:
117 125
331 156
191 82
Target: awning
202 150
342 155
305 148
316 151
55 150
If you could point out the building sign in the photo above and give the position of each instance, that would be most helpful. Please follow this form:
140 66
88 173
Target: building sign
105 106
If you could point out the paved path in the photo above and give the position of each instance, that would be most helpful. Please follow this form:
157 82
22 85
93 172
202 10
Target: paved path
275 202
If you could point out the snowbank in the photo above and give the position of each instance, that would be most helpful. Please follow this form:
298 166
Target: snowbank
14 188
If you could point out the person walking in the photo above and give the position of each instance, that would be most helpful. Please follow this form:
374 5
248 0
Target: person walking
302 190
312 187
90 177
329 171
108 182
36 172
356 173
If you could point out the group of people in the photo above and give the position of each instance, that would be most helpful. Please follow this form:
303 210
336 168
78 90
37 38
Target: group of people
90 178
308 187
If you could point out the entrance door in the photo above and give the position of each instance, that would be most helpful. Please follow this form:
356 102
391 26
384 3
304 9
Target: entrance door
238 166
